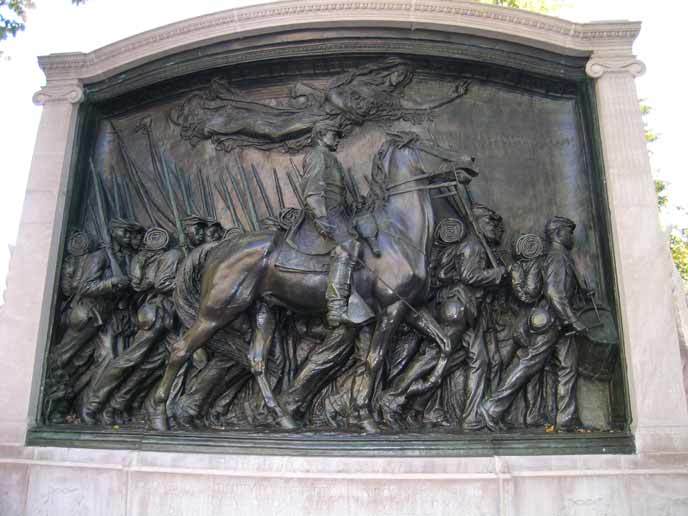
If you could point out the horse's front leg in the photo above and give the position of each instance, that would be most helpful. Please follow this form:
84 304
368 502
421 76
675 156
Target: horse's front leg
265 323
387 324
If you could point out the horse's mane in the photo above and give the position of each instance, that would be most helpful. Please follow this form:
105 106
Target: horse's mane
379 173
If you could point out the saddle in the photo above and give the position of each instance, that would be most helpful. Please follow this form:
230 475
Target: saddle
305 249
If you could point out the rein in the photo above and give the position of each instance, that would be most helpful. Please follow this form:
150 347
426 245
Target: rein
425 187
413 179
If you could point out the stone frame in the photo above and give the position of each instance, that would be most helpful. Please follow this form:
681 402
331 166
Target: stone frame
657 401
484 58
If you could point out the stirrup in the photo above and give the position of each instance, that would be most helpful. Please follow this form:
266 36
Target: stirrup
336 312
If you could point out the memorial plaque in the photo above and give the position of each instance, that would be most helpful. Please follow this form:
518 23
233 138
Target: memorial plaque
402 246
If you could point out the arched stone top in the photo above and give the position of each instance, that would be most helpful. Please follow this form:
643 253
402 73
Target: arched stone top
500 23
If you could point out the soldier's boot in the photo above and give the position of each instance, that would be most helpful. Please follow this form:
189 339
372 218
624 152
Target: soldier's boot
342 263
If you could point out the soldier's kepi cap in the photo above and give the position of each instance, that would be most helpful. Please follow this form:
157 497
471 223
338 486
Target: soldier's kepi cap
326 125
480 210
212 222
194 220
130 225
558 222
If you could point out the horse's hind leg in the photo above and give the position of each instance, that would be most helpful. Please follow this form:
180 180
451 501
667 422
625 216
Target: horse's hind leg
196 336
257 356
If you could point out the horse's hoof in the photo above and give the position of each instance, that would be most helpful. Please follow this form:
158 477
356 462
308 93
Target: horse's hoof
391 405
185 422
369 426
287 422
156 415
492 423
87 417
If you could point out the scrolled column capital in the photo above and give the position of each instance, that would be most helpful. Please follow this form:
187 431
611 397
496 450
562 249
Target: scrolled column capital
71 92
597 66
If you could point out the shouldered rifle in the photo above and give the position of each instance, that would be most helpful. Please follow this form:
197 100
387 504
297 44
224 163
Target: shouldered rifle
105 235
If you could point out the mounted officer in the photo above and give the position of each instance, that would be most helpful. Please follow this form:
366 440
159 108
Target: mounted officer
325 196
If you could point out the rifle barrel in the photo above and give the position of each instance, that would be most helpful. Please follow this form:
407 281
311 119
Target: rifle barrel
263 193
105 235
278 187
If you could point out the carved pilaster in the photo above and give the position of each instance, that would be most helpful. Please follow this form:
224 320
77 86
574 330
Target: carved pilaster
643 264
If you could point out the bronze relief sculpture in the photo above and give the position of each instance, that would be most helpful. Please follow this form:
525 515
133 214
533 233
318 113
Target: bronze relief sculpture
366 290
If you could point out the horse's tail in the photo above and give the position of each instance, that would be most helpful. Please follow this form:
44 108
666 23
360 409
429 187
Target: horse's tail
187 293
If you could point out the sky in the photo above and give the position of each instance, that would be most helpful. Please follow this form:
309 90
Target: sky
58 26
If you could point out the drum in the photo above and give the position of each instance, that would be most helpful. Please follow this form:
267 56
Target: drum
598 346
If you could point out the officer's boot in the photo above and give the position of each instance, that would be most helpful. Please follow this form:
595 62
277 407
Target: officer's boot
342 262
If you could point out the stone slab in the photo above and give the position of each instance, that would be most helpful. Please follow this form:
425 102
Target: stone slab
76 491
13 486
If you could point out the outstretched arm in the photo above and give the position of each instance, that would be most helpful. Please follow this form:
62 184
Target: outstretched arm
459 90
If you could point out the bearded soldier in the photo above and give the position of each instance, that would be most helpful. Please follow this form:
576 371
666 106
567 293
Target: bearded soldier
152 273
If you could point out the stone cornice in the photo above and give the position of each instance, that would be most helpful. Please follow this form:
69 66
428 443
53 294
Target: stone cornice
501 23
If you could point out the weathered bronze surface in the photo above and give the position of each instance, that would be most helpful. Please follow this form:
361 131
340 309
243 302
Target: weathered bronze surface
389 245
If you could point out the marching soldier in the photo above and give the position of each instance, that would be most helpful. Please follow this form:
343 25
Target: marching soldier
465 276
94 294
152 273
549 332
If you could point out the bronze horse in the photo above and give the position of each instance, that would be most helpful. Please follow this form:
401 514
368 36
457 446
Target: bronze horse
242 274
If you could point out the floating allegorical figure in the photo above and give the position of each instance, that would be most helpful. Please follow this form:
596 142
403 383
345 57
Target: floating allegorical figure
551 326
152 273
376 91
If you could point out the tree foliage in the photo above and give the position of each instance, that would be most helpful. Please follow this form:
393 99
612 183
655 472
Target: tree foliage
537 6
13 16
678 237
678 243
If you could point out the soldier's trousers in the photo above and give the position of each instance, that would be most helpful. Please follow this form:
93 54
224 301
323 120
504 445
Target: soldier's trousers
118 369
143 377
204 388
322 361
540 349
477 375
